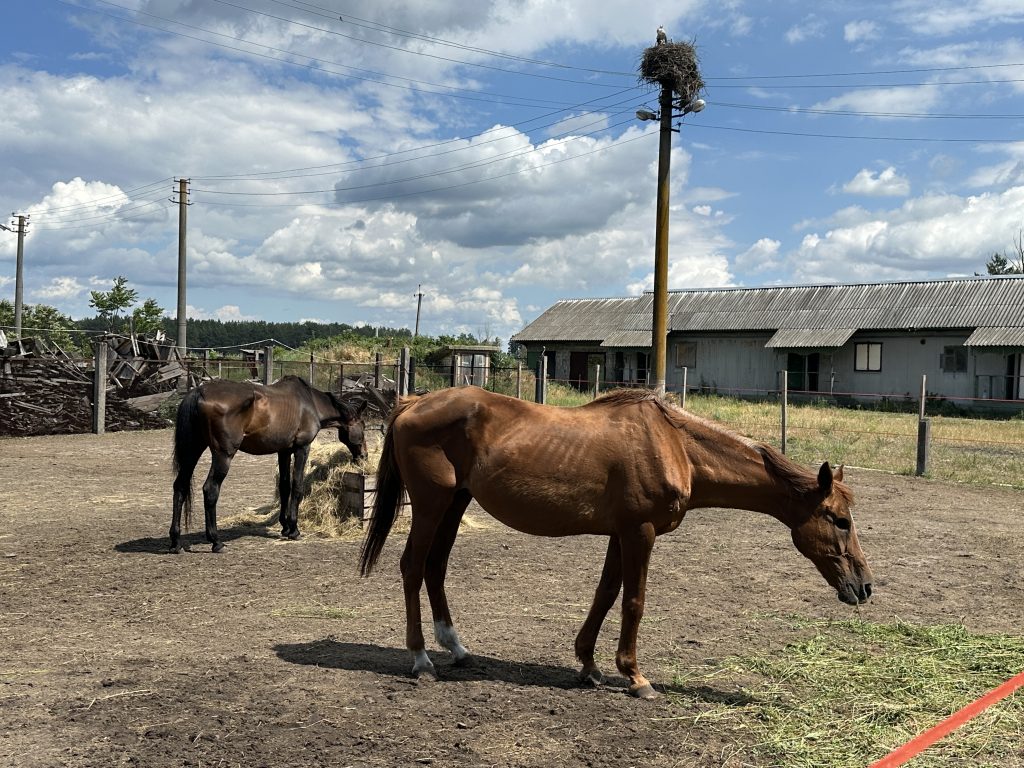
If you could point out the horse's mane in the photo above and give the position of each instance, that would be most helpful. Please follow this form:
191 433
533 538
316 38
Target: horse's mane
800 479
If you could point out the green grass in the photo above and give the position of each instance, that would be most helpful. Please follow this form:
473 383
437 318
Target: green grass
852 691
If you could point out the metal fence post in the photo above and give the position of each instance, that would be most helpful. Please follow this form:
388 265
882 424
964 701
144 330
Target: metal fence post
268 364
519 381
99 390
542 381
312 381
412 375
376 370
597 380
682 400
924 430
402 384
785 406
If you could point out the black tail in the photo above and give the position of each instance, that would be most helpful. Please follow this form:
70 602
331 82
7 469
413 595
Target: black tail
386 505
185 439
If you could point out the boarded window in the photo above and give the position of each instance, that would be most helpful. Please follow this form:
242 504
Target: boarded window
868 356
954 359
686 355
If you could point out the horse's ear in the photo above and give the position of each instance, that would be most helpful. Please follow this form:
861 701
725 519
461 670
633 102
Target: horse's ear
825 478
838 476
362 407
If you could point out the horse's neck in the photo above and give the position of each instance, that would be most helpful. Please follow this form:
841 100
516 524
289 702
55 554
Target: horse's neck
730 472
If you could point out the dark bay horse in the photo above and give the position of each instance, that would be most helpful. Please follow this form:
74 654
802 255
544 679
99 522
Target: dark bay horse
228 416
626 466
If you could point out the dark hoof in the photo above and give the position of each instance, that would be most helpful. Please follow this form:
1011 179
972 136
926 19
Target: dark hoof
176 550
217 547
644 691
294 535
591 677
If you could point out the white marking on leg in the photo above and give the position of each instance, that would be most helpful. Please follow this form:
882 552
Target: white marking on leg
447 637
422 663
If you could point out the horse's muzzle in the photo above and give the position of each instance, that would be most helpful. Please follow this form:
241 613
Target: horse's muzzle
852 595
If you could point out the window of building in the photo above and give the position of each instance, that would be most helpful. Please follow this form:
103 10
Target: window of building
686 355
954 359
867 356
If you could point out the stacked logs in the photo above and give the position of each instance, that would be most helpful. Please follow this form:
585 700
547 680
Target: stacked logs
53 396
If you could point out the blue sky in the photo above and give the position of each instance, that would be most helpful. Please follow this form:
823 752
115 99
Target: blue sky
343 152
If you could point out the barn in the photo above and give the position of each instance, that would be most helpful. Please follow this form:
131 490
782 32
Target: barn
965 335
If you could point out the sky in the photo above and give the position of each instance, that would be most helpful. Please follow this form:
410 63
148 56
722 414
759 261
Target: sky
343 156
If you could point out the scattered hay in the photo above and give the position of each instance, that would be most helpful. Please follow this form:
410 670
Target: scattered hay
855 690
674 65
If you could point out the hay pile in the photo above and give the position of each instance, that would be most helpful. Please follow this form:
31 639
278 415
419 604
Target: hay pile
673 65
322 511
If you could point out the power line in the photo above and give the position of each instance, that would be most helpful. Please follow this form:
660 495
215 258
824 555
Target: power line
107 217
854 137
856 113
98 200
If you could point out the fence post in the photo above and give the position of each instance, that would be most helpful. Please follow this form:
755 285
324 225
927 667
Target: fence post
268 364
597 380
376 370
542 381
924 431
412 375
220 369
519 381
312 381
99 390
455 369
682 400
924 434
402 385
785 406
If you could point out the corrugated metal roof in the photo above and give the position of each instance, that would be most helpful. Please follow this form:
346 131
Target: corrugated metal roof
996 337
790 338
964 303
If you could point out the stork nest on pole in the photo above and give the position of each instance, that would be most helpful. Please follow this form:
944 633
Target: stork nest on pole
675 66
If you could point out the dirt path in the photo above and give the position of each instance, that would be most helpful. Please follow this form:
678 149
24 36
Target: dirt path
276 654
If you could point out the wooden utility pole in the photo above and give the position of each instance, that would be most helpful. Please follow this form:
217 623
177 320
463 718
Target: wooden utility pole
659 323
182 228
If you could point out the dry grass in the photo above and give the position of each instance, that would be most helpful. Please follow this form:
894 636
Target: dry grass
322 511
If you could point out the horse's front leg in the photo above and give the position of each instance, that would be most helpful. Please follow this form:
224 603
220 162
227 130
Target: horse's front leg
604 597
298 473
219 466
636 546
284 487
436 570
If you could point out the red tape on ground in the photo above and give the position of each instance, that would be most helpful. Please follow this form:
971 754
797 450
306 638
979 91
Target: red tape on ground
920 743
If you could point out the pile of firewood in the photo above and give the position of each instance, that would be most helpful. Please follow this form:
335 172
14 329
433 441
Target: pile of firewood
53 396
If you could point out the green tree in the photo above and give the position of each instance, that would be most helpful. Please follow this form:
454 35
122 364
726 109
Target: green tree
148 318
45 321
1008 263
110 304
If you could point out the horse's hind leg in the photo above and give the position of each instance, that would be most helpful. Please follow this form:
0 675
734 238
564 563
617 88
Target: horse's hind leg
219 466
604 597
437 568
425 520
636 546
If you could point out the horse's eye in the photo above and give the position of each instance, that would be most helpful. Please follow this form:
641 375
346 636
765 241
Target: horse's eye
843 523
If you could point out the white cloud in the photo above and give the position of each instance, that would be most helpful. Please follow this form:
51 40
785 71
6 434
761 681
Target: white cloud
936 235
226 313
886 183
760 257
810 27
60 289
945 17
861 31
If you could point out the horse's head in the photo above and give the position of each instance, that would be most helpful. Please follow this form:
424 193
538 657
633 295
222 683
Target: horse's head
351 428
828 538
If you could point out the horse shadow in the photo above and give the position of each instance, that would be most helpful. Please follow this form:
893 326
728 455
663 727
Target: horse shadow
396 662
196 541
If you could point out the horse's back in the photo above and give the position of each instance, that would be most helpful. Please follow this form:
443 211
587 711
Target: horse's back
540 469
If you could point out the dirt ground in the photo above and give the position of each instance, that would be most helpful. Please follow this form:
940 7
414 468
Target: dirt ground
275 653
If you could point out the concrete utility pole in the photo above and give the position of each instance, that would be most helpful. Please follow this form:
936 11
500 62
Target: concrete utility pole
419 303
182 227
19 273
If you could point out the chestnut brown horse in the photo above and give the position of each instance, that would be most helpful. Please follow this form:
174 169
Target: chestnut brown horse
282 418
626 466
